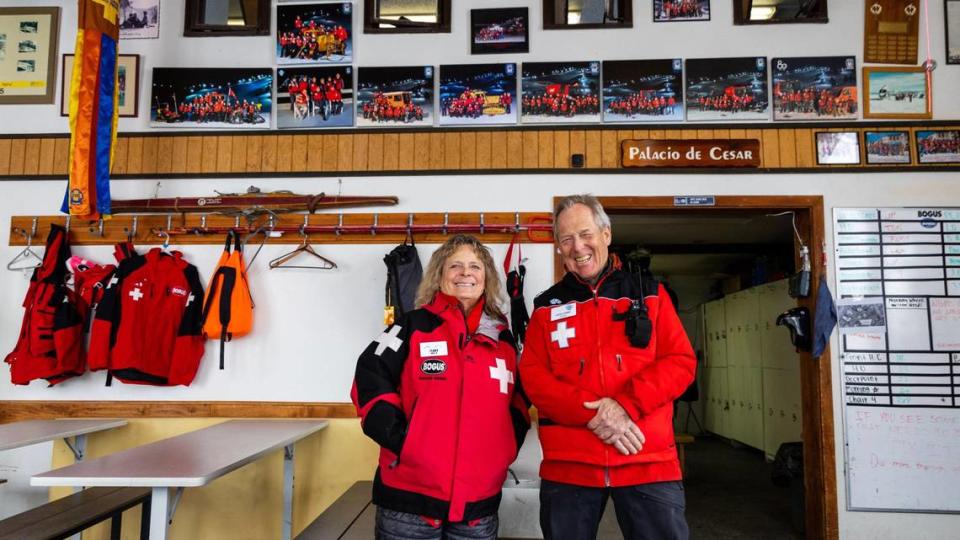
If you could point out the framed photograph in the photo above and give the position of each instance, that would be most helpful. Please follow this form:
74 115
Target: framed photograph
128 81
681 10
314 96
938 146
314 33
219 98
495 31
951 11
896 92
643 90
887 147
727 89
28 54
140 19
395 96
838 148
478 94
820 88
779 12
560 92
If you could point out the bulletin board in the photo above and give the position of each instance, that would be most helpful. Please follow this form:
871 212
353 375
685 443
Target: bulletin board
898 306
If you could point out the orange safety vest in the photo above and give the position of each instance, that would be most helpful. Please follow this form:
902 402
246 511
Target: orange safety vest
229 291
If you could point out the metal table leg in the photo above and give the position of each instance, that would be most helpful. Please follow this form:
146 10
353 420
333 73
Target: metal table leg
159 506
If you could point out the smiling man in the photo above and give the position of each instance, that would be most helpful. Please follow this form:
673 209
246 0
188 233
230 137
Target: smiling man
605 357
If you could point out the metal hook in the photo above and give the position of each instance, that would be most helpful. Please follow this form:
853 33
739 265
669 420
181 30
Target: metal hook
516 222
132 231
339 226
481 223
100 227
376 222
409 225
236 222
446 221
33 227
66 223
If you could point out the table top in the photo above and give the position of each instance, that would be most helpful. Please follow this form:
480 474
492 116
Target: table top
189 460
30 432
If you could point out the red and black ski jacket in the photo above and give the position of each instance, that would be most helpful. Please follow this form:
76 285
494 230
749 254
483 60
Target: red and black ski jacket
577 350
148 326
446 408
50 345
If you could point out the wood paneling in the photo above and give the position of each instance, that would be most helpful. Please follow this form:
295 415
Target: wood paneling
5 145
561 149
514 150
484 149
391 151
135 155
468 150
284 153
45 163
375 152
31 157
224 154
531 150
449 150
13 411
16 156
360 152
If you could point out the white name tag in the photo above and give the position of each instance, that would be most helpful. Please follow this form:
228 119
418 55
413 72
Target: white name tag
563 312
433 348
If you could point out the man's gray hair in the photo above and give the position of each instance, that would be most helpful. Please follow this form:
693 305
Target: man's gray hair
600 217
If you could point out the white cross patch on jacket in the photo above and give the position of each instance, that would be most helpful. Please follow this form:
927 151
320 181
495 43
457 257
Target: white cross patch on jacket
388 339
562 334
502 374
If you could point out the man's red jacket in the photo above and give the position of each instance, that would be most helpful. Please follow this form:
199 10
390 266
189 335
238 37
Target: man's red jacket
576 350
444 405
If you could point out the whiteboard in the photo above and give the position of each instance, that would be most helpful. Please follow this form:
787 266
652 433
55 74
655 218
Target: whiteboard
901 380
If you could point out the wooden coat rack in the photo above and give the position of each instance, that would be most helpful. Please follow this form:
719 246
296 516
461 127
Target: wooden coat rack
340 228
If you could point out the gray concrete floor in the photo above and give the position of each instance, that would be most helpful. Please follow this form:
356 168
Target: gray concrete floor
729 496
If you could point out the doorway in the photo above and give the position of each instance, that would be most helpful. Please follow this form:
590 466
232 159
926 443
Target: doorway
673 232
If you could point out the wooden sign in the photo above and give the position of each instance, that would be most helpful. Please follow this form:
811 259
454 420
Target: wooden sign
690 153
890 31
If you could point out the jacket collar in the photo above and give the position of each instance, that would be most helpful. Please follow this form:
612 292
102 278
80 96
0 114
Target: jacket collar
448 308
608 274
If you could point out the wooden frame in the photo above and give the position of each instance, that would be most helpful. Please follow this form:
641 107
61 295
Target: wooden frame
824 158
45 44
952 34
883 73
550 22
889 159
194 27
130 62
492 47
939 156
742 8
819 445
371 23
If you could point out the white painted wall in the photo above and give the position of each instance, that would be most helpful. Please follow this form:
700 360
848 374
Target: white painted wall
310 326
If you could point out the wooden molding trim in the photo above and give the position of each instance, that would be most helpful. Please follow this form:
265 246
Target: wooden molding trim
518 150
12 411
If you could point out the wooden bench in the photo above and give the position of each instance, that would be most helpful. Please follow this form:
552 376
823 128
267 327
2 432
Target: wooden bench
351 516
70 515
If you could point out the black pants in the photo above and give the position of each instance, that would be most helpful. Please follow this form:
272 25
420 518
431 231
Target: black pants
644 512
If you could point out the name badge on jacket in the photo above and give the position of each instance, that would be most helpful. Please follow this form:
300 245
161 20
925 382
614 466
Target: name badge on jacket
563 312
433 348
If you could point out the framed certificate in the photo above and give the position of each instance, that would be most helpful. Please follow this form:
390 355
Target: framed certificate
28 54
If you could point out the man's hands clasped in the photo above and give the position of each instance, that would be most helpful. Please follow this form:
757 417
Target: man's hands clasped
613 426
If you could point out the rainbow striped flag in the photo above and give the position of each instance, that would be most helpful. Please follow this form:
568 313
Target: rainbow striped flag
93 109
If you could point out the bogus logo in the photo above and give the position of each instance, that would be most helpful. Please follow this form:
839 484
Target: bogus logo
929 213
433 366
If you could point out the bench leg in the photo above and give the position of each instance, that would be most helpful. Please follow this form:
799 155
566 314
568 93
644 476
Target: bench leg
145 520
116 525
